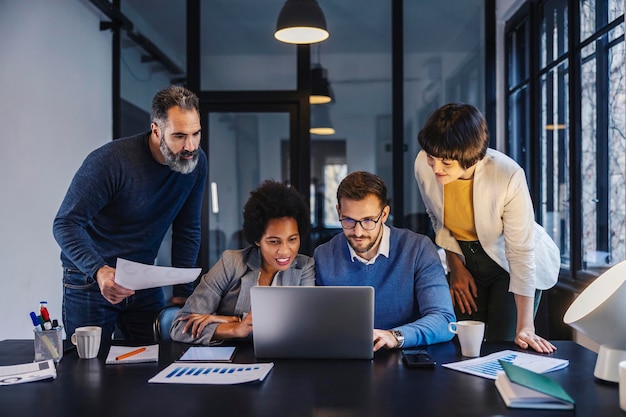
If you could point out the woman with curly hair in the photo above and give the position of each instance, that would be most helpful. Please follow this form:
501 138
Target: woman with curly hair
275 218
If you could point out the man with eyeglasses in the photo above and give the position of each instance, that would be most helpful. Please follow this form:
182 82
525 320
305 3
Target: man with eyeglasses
412 297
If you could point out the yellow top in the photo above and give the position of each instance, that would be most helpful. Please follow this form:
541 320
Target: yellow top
458 209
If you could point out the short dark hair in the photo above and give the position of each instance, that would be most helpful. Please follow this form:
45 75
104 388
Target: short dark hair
456 131
174 95
273 200
359 184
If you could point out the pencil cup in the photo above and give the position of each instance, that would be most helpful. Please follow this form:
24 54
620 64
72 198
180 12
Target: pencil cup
49 344
87 341
622 385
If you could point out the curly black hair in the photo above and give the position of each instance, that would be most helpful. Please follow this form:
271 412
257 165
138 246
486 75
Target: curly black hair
273 200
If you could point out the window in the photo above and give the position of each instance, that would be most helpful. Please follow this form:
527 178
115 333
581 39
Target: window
566 119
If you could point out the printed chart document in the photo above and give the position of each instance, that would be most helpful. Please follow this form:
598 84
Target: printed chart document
212 373
28 372
488 366
132 354
521 388
138 276
208 354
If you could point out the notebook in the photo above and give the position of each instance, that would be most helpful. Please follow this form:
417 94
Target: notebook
313 322
132 354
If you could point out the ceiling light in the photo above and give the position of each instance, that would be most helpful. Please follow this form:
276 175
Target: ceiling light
320 121
301 22
321 91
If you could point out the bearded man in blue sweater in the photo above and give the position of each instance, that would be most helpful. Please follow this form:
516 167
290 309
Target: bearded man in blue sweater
412 298
121 203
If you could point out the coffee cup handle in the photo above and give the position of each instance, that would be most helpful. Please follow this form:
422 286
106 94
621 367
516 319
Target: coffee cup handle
73 339
452 327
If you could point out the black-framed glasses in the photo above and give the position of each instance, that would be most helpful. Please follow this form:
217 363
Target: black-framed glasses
366 224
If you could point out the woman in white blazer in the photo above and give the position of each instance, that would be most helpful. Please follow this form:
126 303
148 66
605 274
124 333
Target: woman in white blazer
478 201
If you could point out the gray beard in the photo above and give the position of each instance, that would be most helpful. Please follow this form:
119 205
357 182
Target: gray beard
176 162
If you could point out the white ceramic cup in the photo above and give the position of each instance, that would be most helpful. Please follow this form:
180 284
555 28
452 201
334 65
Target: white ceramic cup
470 334
622 385
87 341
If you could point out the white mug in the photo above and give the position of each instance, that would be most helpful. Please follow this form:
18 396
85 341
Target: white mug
622 385
87 341
470 334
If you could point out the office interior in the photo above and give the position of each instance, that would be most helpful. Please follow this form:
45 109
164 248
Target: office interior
79 73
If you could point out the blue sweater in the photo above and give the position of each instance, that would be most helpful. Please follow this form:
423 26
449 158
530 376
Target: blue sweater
411 291
121 203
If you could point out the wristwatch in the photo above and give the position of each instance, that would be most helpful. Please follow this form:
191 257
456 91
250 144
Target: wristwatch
399 337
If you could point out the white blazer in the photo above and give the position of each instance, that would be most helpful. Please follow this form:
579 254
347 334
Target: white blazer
504 219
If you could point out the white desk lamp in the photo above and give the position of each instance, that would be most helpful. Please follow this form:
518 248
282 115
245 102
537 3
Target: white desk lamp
599 312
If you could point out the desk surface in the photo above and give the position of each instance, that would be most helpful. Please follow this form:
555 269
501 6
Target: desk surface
295 388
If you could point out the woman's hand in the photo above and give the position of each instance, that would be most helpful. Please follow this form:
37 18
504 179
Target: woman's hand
197 322
462 286
527 338
234 330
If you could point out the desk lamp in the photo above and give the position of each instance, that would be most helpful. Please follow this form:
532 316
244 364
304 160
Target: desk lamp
599 312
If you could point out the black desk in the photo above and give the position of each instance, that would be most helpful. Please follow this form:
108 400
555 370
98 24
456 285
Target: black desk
294 388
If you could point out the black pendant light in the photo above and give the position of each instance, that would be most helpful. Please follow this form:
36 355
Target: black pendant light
320 120
301 22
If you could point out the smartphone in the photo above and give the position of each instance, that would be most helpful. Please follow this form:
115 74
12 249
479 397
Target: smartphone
417 359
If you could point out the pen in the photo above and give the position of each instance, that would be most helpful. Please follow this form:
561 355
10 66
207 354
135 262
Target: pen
35 320
129 354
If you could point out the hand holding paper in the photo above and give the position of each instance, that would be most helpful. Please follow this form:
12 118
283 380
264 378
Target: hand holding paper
138 276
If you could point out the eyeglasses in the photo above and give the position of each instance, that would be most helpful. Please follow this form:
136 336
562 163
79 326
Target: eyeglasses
366 224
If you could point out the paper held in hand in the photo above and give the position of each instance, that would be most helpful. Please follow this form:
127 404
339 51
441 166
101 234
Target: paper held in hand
138 276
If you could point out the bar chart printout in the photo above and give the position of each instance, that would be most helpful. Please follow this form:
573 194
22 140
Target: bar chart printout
488 366
212 373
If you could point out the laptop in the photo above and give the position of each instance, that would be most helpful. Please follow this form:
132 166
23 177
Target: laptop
313 322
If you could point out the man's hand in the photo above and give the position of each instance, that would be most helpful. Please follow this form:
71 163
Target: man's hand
111 292
178 301
384 339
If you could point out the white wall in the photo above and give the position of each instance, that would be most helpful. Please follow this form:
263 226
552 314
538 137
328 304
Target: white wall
55 108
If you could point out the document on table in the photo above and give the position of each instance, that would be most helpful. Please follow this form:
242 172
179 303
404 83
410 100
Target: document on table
138 276
28 372
488 366
212 373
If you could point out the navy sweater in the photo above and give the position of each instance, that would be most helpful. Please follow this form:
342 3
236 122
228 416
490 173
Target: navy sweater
121 203
411 291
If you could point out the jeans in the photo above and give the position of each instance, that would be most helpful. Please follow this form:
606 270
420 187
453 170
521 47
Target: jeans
496 305
84 305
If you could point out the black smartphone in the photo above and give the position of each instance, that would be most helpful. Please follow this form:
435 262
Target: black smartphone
417 359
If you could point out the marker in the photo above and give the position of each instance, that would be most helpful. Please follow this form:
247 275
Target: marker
43 310
46 325
35 320
129 354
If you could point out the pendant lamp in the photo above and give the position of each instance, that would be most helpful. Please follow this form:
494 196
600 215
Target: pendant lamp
320 121
301 22
321 91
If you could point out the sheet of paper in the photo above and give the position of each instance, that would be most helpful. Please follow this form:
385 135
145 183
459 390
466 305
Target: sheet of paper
208 354
28 372
488 366
212 373
138 276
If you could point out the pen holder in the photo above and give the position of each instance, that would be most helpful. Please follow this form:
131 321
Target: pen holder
49 344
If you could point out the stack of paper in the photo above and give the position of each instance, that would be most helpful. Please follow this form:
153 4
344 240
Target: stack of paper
29 372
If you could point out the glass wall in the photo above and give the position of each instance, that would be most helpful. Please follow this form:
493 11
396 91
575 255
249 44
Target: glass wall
444 55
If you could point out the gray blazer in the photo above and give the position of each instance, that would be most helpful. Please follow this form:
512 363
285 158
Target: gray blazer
225 289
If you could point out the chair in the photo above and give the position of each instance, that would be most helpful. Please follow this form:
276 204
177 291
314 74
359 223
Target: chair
163 323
